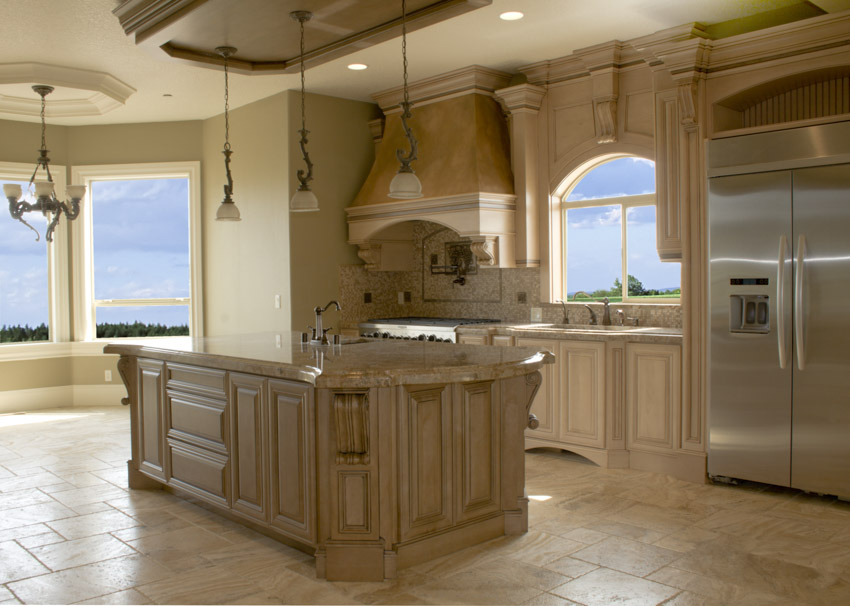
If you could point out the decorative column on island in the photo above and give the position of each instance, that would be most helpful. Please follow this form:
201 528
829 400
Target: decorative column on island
370 455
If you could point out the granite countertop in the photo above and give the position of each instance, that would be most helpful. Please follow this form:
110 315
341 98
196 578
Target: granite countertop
357 362
579 332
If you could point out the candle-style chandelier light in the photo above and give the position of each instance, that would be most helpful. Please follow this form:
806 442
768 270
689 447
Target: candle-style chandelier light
304 200
46 201
405 184
228 210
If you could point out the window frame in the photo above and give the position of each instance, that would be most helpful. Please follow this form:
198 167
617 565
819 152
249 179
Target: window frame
58 255
625 202
85 305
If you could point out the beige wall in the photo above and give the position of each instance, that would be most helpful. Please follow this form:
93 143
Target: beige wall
20 142
247 262
134 143
342 151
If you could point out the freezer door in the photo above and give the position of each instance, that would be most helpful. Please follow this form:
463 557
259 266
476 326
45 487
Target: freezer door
749 391
820 460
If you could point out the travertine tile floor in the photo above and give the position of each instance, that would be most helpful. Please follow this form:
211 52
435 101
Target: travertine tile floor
71 532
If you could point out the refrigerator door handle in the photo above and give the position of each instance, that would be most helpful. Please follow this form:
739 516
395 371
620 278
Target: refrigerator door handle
799 333
780 308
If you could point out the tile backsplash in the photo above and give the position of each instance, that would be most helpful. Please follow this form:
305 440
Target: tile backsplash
508 295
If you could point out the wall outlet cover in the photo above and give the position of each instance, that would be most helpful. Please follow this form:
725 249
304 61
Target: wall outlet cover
536 314
367 297
521 297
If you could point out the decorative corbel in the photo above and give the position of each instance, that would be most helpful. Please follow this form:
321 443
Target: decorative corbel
687 95
370 254
484 250
605 112
351 416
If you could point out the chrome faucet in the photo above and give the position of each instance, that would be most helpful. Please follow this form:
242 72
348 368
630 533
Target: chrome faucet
606 311
564 305
319 334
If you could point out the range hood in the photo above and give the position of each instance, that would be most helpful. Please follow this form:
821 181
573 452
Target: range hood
464 165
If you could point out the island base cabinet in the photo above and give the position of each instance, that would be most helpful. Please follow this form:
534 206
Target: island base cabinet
369 480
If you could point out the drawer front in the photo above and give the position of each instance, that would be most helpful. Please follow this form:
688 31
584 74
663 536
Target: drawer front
197 380
200 472
198 421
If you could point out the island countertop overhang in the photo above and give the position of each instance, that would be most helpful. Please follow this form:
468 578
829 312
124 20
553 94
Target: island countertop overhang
354 363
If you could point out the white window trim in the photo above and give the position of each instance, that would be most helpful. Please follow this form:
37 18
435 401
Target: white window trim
558 207
84 310
58 287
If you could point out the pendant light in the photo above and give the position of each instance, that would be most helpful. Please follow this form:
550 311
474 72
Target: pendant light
405 184
228 210
304 199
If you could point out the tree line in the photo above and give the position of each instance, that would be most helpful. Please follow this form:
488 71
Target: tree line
106 330
635 289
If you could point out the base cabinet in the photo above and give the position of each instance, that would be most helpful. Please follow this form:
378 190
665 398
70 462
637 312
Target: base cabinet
617 404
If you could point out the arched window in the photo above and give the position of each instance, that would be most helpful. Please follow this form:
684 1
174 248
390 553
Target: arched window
604 255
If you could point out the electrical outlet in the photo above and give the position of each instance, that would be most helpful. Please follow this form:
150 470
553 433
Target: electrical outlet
277 301
107 376
407 296
521 297
536 314
367 297
277 341
401 297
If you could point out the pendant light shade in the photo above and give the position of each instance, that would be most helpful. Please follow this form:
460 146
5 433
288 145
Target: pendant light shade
228 210
405 185
304 199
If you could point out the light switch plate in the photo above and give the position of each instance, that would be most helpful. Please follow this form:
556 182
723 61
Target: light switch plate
536 314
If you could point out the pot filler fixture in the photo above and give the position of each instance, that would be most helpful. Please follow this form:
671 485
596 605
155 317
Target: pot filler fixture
413 328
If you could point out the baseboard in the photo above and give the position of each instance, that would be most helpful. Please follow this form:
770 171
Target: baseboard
64 396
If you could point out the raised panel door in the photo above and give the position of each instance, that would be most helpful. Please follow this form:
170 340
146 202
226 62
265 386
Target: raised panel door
292 458
544 406
425 459
248 446
152 453
653 396
477 429
581 368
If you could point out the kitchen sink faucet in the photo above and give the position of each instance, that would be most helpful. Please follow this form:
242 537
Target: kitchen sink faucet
606 311
319 334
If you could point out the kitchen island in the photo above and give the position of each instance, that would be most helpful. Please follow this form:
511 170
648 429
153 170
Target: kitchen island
370 455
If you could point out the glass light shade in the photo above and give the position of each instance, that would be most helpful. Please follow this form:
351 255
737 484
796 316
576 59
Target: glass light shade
228 212
76 192
43 188
304 201
12 190
405 186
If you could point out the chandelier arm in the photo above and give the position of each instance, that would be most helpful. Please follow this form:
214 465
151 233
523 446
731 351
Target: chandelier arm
228 188
48 235
17 210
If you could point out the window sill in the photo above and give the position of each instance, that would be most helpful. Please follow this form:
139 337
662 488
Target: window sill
42 350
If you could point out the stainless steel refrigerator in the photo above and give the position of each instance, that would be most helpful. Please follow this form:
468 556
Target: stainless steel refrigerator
779 297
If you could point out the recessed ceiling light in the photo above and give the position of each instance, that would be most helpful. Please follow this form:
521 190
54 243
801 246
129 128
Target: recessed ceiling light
357 67
511 16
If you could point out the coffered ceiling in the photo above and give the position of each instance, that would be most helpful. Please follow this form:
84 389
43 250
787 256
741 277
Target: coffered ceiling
167 70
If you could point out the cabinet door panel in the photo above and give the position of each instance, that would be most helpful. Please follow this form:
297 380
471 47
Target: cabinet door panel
248 444
152 454
292 458
425 452
581 366
653 396
477 426
545 406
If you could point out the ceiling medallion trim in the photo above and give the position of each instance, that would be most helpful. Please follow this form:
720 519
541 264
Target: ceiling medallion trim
100 93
